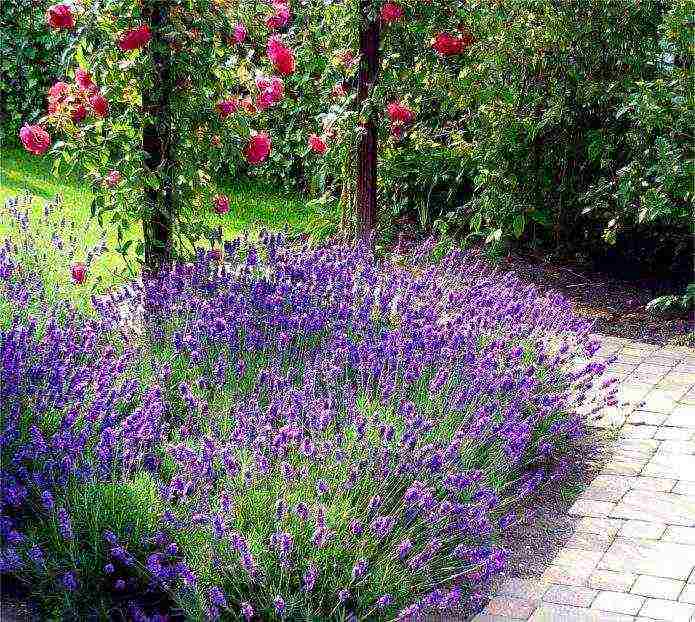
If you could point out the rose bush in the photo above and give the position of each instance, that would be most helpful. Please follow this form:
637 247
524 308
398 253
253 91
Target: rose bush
160 97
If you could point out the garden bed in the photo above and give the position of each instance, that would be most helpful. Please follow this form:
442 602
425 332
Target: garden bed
304 433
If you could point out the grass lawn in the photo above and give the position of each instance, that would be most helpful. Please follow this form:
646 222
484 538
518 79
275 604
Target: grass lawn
252 207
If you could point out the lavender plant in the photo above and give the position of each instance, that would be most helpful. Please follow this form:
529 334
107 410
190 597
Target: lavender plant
294 433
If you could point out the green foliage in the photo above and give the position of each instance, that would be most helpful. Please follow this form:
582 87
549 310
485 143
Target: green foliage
29 64
683 302
253 207
563 123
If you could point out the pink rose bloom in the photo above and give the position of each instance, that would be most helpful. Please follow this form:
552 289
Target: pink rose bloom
317 144
271 91
347 58
399 112
112 179
258 148
280 17
135 38
60 16
83 79
56 96
221 204
391 12
35 139
227 107
99 105
281 56
239 33
78 271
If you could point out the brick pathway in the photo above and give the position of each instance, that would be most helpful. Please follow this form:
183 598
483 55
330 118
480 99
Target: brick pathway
632 556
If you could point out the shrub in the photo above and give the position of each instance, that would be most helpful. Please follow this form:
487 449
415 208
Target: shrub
296 433
29 64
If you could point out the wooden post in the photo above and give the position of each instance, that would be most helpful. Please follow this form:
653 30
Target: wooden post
367 152
156 142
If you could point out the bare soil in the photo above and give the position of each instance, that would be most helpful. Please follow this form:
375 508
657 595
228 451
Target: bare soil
618 306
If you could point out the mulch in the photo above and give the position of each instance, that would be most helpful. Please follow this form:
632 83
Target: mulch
618 306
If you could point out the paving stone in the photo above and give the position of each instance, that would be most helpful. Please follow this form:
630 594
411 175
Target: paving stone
528 589
609 526
625 466
566 613
589 541
677 447
618 602
667 610
638 431
570 595
589 507
657 558
611 580
514 608
660 401
683 535
642 529
481 617
673 434
657 484
679 376
566 576
688 594
678 466
684 488
682 416
635 446
577 558
645 417
657 587
656 507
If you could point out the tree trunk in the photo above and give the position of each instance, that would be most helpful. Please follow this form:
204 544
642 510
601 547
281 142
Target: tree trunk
367 152
156 142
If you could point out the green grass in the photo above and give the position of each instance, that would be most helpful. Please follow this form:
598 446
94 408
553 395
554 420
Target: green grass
252 206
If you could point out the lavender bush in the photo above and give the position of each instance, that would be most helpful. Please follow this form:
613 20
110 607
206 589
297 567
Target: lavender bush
291 433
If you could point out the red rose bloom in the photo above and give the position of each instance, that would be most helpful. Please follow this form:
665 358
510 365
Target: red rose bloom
338 90
135 38
78 113
227 107
60 16
78 271
221 204
99 105
391 12
83 79
317 144
449 45
281 56
35 139
400 113
258 148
